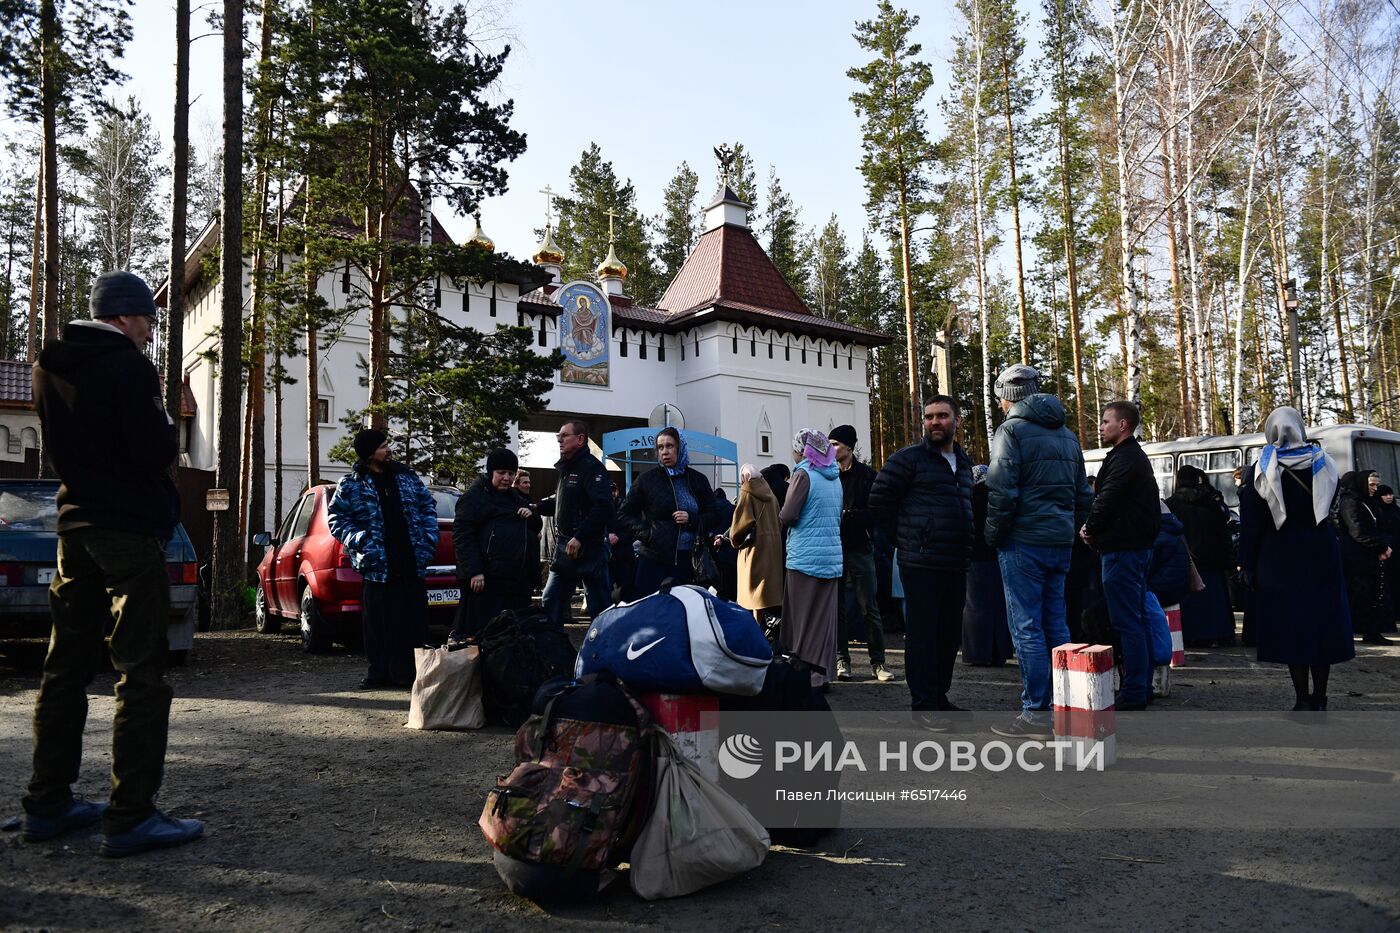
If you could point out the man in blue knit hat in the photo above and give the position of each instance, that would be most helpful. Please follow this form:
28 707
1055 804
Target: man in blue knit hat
109 438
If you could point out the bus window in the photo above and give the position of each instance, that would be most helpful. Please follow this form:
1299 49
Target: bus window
1380 456
1223 461
1251 455
1166 474
1196 460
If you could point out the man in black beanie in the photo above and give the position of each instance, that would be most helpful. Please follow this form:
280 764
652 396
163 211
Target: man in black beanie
492 533
857 560
386 519
107 435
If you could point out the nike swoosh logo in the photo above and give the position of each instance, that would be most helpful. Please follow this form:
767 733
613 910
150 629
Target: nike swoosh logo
635 653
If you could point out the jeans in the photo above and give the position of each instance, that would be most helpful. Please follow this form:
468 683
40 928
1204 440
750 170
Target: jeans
1125 591
1034 580
103 577
933 605
859 577
565 576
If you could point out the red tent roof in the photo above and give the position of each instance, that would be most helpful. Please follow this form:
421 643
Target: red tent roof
727 265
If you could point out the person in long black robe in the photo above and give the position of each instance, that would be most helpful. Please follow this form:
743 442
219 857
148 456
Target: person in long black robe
1207 619
986 634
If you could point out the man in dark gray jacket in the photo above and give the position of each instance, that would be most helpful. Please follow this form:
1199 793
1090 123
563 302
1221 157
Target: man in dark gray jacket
1037 496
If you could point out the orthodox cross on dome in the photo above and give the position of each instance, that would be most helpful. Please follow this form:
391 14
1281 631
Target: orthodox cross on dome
725 156
549 196
612 214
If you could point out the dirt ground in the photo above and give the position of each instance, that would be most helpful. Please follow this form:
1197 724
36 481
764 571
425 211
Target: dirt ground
324 813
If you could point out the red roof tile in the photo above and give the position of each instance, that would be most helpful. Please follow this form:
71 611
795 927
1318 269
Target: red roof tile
727 264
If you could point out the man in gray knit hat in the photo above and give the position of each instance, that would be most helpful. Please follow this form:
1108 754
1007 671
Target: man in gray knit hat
1037 497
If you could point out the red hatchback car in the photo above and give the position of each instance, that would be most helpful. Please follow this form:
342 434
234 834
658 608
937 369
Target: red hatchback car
306 575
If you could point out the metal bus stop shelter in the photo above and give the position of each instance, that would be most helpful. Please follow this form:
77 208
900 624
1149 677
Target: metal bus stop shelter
636 447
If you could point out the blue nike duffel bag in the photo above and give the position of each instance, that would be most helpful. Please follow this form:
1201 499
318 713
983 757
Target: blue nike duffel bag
680 640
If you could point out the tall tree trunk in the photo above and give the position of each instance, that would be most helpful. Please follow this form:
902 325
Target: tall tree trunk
256 454
978 236
1067 223
313 353
1343 364
228 549
48 93
1178 314
179 203
36 268
1015 210
1245 262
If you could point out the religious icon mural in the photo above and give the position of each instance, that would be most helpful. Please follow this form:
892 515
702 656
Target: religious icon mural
583 333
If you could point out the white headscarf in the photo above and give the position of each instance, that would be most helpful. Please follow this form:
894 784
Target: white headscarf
1288 448
746 472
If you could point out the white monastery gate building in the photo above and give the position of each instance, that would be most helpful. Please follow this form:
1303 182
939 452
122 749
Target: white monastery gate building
731 346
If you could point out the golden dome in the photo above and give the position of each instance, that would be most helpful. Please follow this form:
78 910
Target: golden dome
548 252
479 237
612 267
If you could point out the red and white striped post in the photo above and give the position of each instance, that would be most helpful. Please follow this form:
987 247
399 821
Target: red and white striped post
1084 712
1178 646
693 721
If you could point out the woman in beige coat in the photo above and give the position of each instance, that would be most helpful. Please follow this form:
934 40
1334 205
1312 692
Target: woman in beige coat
756 534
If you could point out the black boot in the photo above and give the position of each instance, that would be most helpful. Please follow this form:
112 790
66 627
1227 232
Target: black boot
1302 704
1318 702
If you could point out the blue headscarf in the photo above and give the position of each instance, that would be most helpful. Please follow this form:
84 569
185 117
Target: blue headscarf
682 457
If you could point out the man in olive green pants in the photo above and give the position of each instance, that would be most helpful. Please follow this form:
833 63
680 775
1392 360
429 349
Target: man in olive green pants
112 444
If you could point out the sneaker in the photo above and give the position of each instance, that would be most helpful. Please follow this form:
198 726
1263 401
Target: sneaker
932 722
882 673
843 670
158 831
77 815
1023 728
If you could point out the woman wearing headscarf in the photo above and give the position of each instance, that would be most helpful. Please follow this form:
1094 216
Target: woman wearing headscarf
492 532
1390 575
1292 560
1364 550
812 515
986 635
1207 619
757 535
667 510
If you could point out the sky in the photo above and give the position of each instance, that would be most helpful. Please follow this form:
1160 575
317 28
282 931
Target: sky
654 84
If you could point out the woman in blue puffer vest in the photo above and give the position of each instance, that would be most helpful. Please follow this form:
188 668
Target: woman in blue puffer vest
812 515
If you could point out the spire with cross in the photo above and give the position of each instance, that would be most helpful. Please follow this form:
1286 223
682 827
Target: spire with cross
548 193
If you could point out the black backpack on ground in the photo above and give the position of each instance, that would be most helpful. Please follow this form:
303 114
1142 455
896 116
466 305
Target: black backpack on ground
520 651
788 688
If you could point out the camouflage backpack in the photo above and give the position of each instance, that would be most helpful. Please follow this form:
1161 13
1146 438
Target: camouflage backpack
568 812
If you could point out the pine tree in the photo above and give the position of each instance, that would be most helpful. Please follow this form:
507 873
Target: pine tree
896 149
782 229
122 177
56 59
679 224
830 279
594 189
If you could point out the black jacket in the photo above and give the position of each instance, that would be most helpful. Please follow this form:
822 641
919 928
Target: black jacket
1126 513
925 507
491 538
981 550
1357 520
582 508
650 504
1206 521
856 520
106 433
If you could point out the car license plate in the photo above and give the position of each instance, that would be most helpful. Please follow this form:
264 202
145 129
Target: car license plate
449 597
45 575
